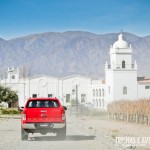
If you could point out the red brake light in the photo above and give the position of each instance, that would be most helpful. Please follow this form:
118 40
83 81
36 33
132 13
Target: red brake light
23 117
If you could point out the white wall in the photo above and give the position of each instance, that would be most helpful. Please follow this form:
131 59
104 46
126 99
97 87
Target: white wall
142 92
99 96
109 85
122 79
69 83
118 58
42 86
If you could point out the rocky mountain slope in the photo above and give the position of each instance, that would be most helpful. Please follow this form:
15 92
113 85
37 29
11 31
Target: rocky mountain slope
72 52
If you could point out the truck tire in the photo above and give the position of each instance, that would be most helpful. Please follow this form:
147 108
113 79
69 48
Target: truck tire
61 133
24 134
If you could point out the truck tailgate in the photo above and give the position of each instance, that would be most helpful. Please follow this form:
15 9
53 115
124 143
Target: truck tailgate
44 115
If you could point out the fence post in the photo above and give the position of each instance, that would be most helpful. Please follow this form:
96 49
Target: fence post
136 118
148 120
127 116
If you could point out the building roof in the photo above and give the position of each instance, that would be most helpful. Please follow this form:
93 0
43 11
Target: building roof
65 77
144 80
41 75
73 76
121 43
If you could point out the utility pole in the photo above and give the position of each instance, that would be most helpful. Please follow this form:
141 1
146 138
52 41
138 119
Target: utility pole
75 91
77 99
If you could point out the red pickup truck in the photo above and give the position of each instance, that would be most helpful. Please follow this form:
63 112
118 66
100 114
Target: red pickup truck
43 115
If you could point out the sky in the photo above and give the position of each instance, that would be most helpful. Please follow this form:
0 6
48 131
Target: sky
23 17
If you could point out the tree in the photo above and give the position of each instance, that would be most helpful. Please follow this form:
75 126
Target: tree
7 95
25 71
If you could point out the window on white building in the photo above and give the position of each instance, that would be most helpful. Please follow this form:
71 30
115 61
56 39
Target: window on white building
83 98
13 76
103 92
100 92
109 89
34 95
147 87
124 90
103 103
94 102
123 64
99 102
50 95
96 93
93 93
67 98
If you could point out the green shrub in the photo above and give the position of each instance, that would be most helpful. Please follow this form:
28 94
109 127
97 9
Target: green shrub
5 111
10 111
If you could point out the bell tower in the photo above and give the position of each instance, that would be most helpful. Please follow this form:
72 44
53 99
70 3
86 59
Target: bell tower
121 72
13 75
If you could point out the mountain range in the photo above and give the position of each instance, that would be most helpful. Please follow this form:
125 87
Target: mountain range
67 53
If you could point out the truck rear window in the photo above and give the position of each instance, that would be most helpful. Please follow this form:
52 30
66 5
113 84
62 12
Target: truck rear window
42 104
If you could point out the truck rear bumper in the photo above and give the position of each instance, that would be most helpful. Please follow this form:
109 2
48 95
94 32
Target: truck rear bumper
43 125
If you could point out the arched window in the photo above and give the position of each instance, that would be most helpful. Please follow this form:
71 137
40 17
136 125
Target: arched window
124 90
100 92
93 93
103 103
103 92
96 103
93 102
96 93
99 102
123 64
109 89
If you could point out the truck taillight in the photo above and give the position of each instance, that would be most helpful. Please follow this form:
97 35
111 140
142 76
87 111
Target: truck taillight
63 116
23 117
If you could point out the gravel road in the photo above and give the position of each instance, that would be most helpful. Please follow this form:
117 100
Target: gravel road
79 137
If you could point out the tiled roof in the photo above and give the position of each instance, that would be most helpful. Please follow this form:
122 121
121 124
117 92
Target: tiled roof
145 80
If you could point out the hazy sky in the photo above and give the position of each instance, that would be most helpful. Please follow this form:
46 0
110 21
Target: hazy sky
23 17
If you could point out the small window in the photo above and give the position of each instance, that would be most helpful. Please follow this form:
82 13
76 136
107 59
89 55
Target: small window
34 95
96 103
67 98
124 90
123 64
83 98
109 89
96 93
147 87
100 102
103 92
13 76
100 92
93 93
50 95
103 104
93 102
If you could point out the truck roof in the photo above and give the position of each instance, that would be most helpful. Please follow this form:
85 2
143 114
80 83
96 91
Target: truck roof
43 98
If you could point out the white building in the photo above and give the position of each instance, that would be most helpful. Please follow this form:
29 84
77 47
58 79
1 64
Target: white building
66 88
120 82
121 73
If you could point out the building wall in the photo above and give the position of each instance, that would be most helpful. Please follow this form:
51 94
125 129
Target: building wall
99 96
143 91
42 86
46 86
82 84
124 79
109 89
116 60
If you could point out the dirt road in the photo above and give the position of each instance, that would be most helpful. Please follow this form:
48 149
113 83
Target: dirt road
83 133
